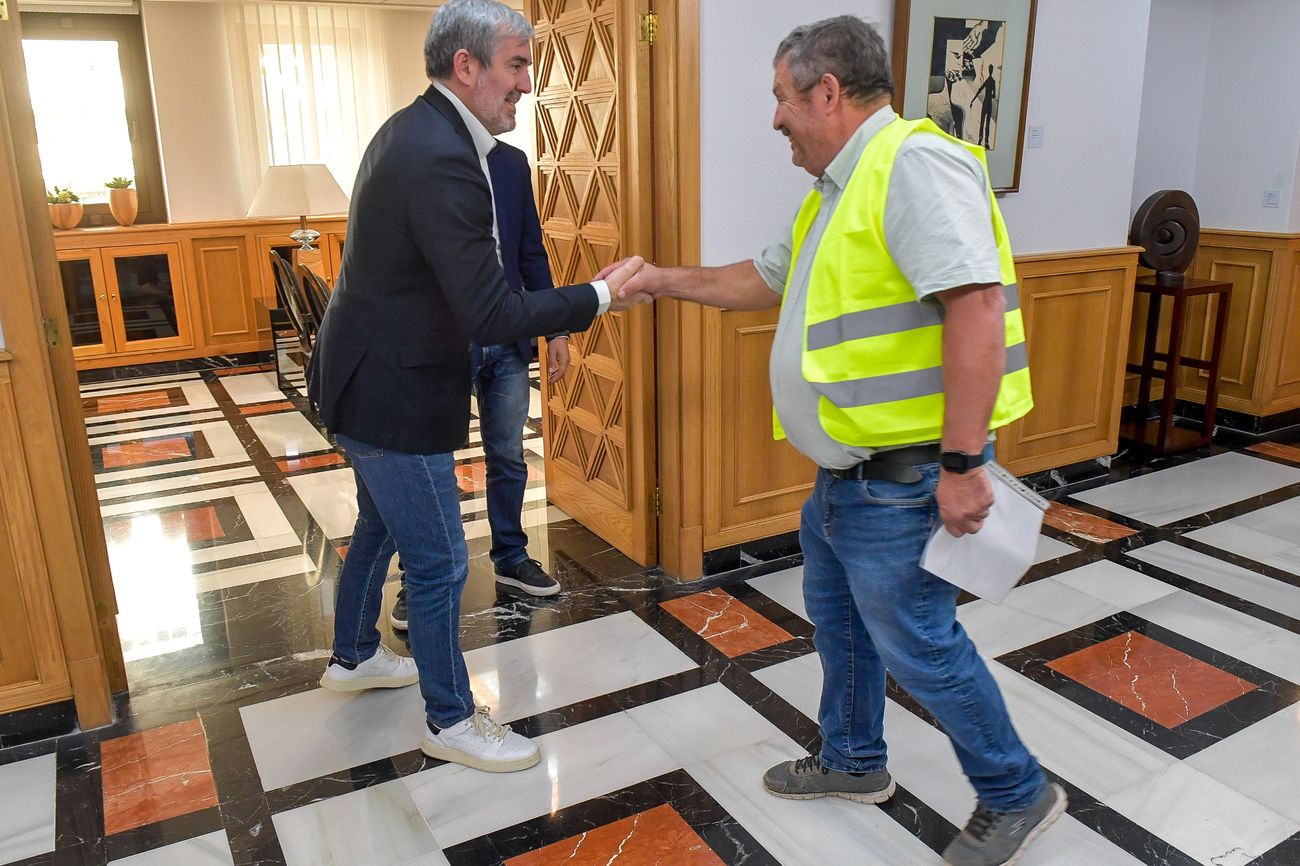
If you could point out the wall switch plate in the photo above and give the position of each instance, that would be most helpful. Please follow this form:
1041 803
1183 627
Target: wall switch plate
1272 198
1035 137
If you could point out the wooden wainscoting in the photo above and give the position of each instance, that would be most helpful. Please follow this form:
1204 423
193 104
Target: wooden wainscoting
1260 370
1077 307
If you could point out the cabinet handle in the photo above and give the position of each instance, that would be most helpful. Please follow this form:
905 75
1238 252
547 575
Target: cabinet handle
103 297
115 297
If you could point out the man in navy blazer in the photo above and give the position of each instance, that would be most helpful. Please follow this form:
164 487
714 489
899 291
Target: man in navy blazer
421 280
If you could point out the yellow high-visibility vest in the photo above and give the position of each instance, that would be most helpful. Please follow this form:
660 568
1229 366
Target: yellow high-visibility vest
870 348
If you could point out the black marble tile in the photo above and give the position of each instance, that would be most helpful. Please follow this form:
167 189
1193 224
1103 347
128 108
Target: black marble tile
780 548
34 725
140 839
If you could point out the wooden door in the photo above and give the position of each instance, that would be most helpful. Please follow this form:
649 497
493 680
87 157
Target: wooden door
86 298
147 298
592 82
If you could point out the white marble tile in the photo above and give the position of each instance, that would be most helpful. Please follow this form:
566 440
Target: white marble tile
798 680
785 588
1229 828
141 425
376 826
478 505
1267 535
144 383
248 388
331 497
804 832
209 850
1232 579
696 725
27 808
289 566
187 467
1192 488
255 501
220 437
533 518
1262 762
180 482
1113 583
1051 548
316 733
1029 614
288 434
1240 635
578 764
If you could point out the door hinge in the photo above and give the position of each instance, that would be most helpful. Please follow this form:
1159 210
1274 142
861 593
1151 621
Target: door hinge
51 326
658 502
649 27
4 10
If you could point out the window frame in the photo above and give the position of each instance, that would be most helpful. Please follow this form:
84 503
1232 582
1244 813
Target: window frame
128 32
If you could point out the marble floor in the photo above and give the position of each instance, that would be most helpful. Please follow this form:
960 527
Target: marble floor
1151 658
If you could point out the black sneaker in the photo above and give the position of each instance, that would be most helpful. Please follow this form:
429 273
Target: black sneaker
999 838
529 576
398 616
807 779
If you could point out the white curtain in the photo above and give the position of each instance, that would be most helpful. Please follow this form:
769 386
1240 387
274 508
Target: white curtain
310 84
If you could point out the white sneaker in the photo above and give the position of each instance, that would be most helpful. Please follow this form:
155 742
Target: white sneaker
481 743
383 670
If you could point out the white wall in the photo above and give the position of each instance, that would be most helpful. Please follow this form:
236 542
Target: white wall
1085 90
190 68
1250 122
1178 44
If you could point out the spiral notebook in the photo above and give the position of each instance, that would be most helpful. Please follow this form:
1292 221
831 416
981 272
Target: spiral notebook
991 562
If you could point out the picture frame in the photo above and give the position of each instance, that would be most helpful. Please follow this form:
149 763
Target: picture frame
965 64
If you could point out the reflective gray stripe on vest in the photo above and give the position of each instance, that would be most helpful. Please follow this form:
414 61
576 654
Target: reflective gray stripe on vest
893 319
903 386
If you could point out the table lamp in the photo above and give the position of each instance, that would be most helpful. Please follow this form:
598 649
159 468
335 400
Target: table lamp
301 191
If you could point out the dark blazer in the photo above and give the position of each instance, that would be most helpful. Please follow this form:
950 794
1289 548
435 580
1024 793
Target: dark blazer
522 253
420 281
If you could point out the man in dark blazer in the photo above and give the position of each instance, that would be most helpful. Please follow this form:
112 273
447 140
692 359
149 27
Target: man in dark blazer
421 280
502 384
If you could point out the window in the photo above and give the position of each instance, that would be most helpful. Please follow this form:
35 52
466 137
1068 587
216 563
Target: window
311 84
90 93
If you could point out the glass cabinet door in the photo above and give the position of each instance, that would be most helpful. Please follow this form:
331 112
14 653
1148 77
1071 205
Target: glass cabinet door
146 297
86 298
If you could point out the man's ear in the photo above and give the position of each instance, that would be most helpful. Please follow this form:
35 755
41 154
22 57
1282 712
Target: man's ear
828 90
464 66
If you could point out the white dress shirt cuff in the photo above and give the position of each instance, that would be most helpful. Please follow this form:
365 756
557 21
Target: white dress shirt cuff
602 295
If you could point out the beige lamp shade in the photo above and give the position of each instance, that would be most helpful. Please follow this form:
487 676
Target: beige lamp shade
298 191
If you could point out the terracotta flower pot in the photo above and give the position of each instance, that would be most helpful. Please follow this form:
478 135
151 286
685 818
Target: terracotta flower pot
65 216
124 205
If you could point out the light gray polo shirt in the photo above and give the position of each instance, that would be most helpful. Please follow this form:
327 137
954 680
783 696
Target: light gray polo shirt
939 230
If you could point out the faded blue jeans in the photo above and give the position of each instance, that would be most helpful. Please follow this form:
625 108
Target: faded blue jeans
409 504
501 387
876 609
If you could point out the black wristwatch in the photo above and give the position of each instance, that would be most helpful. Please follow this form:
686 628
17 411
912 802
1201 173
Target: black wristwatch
959 461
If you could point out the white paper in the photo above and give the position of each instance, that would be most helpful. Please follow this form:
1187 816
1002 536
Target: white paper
992 561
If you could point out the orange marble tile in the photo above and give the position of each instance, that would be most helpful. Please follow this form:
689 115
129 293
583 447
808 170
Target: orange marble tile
656 837
196 524
1085 525
249 368
733 627
298 464
155 775
263 408
1276 449
149 451
471 477
342 551
131 402
1166 685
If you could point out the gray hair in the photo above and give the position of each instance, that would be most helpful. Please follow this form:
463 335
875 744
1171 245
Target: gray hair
478 26
846 47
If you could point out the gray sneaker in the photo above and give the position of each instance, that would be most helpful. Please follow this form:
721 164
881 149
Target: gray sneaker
999 838
807 779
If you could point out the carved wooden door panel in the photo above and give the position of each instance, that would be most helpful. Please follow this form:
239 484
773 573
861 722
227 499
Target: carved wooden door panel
592 82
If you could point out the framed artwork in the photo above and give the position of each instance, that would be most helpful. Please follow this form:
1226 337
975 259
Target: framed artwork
965 65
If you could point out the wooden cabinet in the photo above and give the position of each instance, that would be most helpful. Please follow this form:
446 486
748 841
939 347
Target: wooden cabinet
141 294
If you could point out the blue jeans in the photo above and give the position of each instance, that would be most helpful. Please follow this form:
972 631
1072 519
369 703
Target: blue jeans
876 609
409 504
501 386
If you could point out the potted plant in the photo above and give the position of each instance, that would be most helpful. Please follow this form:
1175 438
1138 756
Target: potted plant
65 207
122 200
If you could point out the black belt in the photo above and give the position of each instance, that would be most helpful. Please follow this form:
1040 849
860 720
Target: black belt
896 464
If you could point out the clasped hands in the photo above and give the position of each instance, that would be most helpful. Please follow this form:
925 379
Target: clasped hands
630 283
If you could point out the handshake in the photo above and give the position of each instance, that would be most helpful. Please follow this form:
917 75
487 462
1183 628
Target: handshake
631 281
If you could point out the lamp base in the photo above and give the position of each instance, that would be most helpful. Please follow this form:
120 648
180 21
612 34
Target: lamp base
305 237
